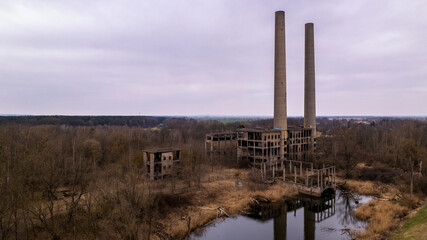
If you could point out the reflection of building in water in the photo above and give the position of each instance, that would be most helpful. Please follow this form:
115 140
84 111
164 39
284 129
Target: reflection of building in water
315 210
322 208
267 211
278 211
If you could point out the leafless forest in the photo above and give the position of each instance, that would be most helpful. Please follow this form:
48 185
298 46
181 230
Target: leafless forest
61 181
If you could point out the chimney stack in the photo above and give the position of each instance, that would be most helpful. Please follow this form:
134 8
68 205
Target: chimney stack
309 80
280 114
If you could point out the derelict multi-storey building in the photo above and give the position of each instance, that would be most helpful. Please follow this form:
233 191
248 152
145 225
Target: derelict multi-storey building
272 146
162 163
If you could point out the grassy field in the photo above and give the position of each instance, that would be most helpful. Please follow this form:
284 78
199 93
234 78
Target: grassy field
414 228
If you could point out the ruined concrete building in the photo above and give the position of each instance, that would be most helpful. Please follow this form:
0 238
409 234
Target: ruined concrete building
162 163
272 147
257 146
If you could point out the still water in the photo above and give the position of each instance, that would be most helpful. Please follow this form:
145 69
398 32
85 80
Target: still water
303 218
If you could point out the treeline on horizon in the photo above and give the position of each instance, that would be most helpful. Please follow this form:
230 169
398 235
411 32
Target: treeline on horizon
133 121
155 121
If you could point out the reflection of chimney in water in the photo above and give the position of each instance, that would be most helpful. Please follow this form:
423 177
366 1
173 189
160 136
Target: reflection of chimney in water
309 223
280 224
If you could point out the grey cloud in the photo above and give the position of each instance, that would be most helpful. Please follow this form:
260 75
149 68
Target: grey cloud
208 57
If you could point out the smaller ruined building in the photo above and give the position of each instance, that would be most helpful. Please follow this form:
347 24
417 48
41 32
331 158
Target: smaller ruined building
162 163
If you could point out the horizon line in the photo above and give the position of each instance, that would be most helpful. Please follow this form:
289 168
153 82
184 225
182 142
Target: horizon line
200 116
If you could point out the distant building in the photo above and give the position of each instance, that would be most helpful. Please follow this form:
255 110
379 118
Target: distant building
162 163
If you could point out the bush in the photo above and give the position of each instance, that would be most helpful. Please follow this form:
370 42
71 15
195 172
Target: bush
167 202
420 184
381 174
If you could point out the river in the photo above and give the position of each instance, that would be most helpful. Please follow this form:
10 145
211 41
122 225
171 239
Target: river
301 218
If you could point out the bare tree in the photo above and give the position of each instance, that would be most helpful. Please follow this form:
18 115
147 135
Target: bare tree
348 150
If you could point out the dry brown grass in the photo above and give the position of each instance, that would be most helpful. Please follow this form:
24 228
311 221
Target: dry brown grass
362 187
382 216
382 190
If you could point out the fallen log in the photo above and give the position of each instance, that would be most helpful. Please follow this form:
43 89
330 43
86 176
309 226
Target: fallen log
221 212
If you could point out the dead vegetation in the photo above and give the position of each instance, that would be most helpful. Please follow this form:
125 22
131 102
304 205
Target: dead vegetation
382 216
377 189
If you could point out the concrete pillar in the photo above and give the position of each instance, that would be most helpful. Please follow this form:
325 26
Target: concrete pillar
318 184
328 177
273 170
300 169
321 178
284 174
309 80
265 171
306 178
262 172
295 174
334 177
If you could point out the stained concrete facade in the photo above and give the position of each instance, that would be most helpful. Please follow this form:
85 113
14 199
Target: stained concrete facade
301 143
258 146
162 163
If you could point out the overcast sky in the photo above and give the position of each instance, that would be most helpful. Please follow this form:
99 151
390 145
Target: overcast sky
197 57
